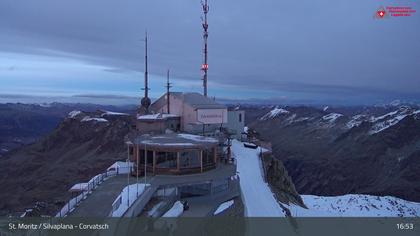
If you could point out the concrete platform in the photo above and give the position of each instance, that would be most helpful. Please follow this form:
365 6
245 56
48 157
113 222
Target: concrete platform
99 202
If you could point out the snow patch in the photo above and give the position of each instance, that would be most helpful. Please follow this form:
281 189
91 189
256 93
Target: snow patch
157 116
375 119
386 124
88 119
222 207
121 167
126 198
73 114
301 119
274 113
79 187
355 205
332 117
395 103
111 113
176 210
356 121
197 138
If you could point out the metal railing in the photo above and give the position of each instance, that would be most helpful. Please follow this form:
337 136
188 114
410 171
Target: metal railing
91 185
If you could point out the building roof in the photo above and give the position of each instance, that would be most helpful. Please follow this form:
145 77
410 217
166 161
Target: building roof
199 101
196 100
157 116
175 141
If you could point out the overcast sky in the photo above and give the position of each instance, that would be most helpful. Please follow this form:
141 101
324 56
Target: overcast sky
285 50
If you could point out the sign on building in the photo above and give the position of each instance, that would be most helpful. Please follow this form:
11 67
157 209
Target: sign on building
212 116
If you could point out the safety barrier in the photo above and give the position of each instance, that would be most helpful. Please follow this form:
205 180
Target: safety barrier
91 185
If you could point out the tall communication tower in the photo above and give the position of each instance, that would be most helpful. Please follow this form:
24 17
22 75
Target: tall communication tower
168 86
145 101
205 65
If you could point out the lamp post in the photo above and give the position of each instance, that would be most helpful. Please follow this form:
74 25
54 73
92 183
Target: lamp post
145 162
137 172
128 176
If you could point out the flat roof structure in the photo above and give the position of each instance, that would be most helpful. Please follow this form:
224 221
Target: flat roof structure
174 142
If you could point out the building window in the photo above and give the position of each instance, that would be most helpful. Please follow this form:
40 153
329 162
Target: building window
208 157
189 159
240 117
166 159
149 157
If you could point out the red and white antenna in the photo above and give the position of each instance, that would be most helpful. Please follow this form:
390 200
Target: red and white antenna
205 65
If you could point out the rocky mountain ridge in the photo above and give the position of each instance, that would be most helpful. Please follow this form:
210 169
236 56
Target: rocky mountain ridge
337 151
81 146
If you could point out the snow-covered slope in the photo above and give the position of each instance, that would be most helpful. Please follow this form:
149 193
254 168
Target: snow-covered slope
353 205
222 207
258 199
392 118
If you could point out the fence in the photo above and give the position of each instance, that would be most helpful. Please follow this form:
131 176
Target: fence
86 190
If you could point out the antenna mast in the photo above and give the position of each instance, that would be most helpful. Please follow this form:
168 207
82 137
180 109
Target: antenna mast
168 86
205 65
145 101
146 81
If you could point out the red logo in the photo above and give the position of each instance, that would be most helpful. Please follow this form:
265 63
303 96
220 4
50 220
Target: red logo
394 11
381 13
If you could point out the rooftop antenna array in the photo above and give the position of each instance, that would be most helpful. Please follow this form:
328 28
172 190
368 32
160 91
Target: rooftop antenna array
205 65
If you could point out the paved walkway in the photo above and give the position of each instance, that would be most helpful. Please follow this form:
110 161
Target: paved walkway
99 202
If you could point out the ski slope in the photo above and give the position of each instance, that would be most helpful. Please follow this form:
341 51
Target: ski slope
258 199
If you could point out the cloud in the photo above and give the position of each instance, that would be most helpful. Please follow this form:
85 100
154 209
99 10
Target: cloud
301 49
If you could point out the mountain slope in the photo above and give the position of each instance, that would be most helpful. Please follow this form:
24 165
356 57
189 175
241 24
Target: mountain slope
337 151
21 124
79 148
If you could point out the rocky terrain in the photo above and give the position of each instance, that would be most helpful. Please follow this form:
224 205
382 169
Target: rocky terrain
22 124
40 174
337 151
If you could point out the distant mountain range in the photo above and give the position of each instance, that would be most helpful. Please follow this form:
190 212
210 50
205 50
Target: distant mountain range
335 151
